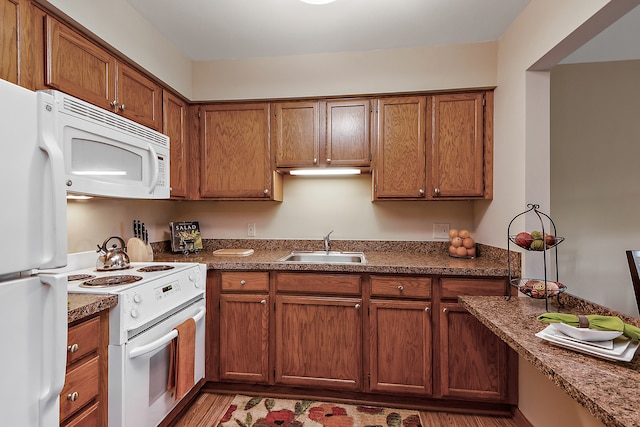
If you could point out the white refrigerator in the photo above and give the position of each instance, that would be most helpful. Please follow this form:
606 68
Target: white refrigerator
33 307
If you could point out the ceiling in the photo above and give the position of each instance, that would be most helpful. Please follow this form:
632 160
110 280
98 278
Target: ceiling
207 30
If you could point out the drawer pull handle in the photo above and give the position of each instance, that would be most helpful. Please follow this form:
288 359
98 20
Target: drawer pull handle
73 348
243 282
73 396
400 288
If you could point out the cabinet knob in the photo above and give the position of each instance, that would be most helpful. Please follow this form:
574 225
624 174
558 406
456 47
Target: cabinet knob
263 302
328 160
315 161
73 348
266 191
72 397
357 306
437 191
113 103
421 192
400 288
428 309
123 107
445 310
243 282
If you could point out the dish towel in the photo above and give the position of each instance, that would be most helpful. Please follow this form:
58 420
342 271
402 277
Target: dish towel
593 321
182 358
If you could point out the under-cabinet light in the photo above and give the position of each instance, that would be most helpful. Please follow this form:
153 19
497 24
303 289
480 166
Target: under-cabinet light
78 197
317 1
325 172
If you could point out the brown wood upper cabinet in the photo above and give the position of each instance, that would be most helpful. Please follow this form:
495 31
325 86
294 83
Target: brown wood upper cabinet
234 153
322 133
81 68
435 147
174 125
18 53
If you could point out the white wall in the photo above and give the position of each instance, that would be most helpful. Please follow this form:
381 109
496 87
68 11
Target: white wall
595 147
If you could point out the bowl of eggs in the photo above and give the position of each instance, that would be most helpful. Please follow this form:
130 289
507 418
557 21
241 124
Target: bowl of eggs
461 244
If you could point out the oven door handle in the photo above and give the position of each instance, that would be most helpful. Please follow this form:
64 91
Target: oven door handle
162 341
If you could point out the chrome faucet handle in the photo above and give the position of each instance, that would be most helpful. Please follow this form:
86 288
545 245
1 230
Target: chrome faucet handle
327 242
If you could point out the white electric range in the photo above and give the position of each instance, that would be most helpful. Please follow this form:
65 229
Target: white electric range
153 299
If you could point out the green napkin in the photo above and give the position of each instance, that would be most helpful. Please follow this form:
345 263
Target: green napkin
596 321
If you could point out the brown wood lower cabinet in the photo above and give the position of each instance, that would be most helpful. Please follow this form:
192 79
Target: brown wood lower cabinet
375 336
83 400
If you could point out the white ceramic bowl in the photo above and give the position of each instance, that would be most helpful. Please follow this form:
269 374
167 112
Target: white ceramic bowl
586 334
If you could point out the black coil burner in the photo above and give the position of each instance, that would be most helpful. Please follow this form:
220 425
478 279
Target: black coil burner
104 282
151 268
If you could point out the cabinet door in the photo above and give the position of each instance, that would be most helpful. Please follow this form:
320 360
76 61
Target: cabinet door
348 133
474 361
296 133
77 66
319 342
174 125
244 338
457 160
400 163
139 99
235 152
10 13
400 351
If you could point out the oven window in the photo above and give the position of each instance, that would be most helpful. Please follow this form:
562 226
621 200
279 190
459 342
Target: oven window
158 374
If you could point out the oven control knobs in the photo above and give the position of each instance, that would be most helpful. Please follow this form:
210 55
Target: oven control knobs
134 313
137 298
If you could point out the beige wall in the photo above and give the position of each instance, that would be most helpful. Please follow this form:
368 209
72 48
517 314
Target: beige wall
595 147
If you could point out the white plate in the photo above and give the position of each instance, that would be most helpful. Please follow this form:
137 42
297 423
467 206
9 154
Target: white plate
623 349
585 334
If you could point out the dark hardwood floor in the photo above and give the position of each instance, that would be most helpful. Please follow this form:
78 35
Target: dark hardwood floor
208 408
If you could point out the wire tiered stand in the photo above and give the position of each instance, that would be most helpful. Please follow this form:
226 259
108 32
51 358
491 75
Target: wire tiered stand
537 288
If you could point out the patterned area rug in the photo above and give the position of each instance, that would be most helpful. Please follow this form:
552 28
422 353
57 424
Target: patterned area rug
246 411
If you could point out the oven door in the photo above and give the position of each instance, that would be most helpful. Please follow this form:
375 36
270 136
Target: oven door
139 370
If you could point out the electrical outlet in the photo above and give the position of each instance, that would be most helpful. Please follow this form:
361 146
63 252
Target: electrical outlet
251 230
440 231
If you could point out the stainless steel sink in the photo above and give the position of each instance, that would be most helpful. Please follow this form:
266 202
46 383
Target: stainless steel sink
322 257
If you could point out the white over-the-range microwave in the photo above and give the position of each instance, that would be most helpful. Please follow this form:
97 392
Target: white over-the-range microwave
108 155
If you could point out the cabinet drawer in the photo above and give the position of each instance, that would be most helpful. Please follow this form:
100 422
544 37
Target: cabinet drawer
82 380
244 281
83 339
396 286
452 288
341 284
90 417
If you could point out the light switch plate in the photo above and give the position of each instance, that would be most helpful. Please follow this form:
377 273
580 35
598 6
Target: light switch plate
251 230
441 231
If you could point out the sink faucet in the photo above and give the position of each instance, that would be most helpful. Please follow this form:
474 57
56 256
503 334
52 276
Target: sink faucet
327 242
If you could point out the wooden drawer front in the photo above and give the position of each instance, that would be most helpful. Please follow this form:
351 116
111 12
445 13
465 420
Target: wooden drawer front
83 339
90 417
407 287
245 281
341 284
82 380
452 288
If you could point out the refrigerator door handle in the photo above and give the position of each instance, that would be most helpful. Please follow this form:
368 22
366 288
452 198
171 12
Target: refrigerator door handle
49 402
48 143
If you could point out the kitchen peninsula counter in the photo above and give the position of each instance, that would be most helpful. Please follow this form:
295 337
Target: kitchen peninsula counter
425 258
608 390
85 305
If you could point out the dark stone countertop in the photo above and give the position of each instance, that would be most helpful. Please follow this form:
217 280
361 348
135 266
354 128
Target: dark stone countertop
382 257
85 305
607 389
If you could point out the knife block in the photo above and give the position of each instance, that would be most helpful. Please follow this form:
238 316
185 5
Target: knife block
139 251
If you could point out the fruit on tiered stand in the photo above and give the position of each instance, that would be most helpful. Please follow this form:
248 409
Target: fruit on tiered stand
461 244
536 240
